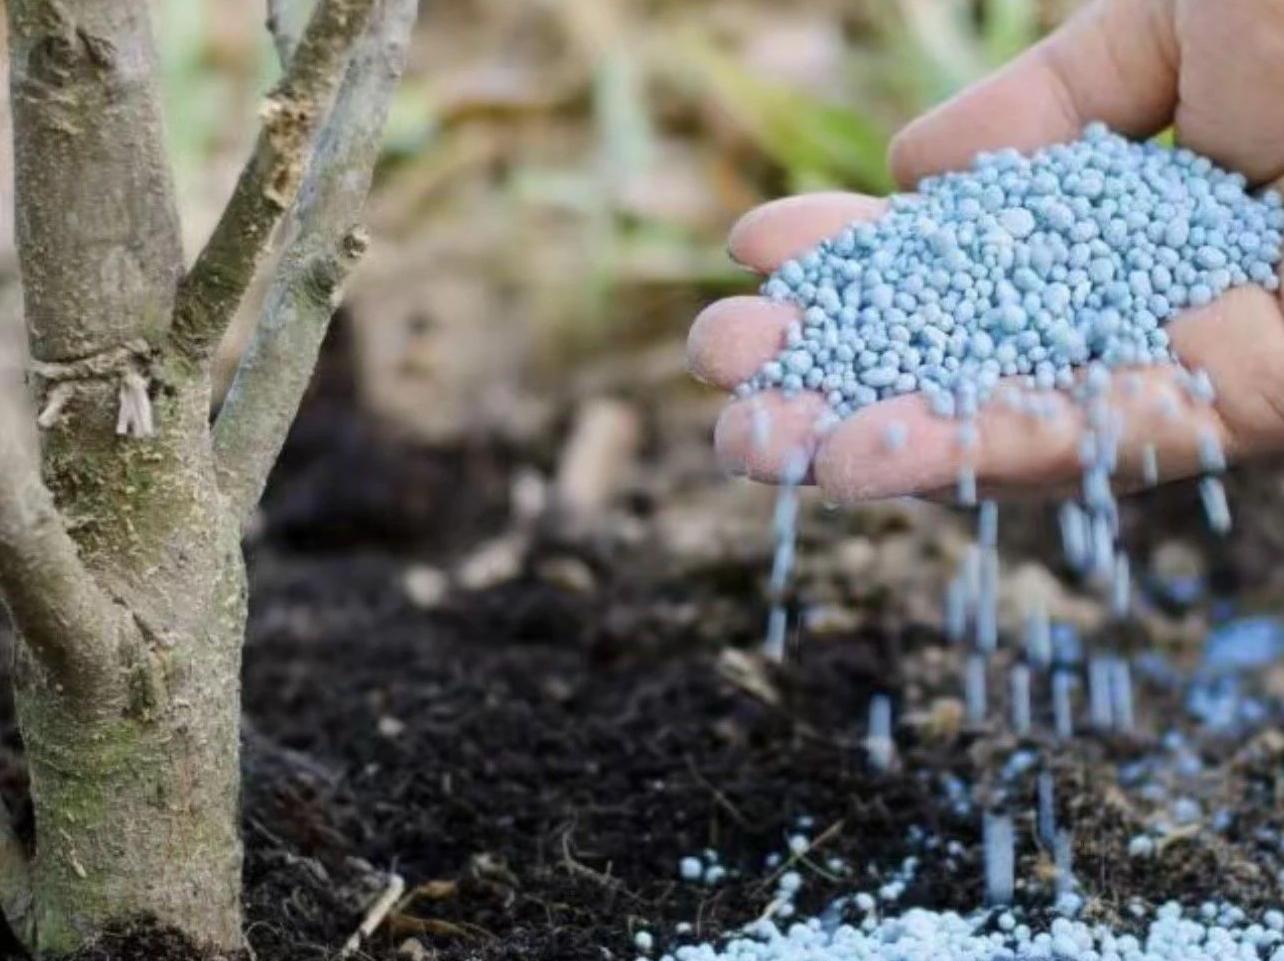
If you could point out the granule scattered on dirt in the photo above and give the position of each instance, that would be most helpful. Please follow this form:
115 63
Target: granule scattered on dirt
535 758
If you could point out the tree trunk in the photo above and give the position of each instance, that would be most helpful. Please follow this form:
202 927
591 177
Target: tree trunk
120 555
136 818
134 765
137 814
136 799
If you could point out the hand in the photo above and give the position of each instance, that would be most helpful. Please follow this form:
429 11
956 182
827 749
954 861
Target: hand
1212 67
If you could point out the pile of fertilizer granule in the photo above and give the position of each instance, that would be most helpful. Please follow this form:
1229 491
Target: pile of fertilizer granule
869 926
1215 933
1022 266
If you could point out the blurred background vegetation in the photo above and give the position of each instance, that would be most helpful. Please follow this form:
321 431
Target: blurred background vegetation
560 174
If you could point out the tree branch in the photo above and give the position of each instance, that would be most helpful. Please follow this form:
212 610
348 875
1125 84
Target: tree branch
274 373
285 20
213 288
74 629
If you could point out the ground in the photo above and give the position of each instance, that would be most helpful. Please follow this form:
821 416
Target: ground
535 752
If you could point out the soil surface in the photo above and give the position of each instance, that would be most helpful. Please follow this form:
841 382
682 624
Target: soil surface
534 749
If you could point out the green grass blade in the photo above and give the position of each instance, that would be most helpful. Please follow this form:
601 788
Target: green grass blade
816 142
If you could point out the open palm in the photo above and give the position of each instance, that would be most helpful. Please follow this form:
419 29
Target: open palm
1210 66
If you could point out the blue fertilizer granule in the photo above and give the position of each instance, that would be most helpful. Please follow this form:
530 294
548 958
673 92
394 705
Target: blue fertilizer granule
1022 266
1242 645
1221 933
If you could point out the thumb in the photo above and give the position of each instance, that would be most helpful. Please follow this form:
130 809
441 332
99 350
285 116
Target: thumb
1113 62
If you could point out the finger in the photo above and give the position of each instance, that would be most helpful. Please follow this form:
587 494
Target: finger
1115 61
1011 450
1238 340
855 462
769 235
767 435
1230 81
732 338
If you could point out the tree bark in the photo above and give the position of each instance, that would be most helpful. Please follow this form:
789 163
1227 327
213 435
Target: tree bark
51 596
137 811
120 552
136 801
15 878
214 287
134 780
88 141
325 243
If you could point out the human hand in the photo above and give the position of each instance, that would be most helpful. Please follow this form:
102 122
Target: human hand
1210 67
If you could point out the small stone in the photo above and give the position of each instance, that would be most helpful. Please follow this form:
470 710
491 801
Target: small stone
412 949
425 587
391 727
494 562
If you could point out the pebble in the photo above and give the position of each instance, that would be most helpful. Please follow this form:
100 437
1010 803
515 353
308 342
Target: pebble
1027 266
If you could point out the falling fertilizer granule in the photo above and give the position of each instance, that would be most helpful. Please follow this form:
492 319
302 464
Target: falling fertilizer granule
1024 275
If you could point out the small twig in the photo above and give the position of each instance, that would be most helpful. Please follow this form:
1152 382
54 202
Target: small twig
820 841
774 905
583 870
379 910
718 796
439 927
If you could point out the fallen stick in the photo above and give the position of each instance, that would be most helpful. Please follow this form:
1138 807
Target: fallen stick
375 916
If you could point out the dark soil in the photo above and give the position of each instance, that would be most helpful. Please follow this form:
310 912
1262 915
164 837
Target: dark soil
535 758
